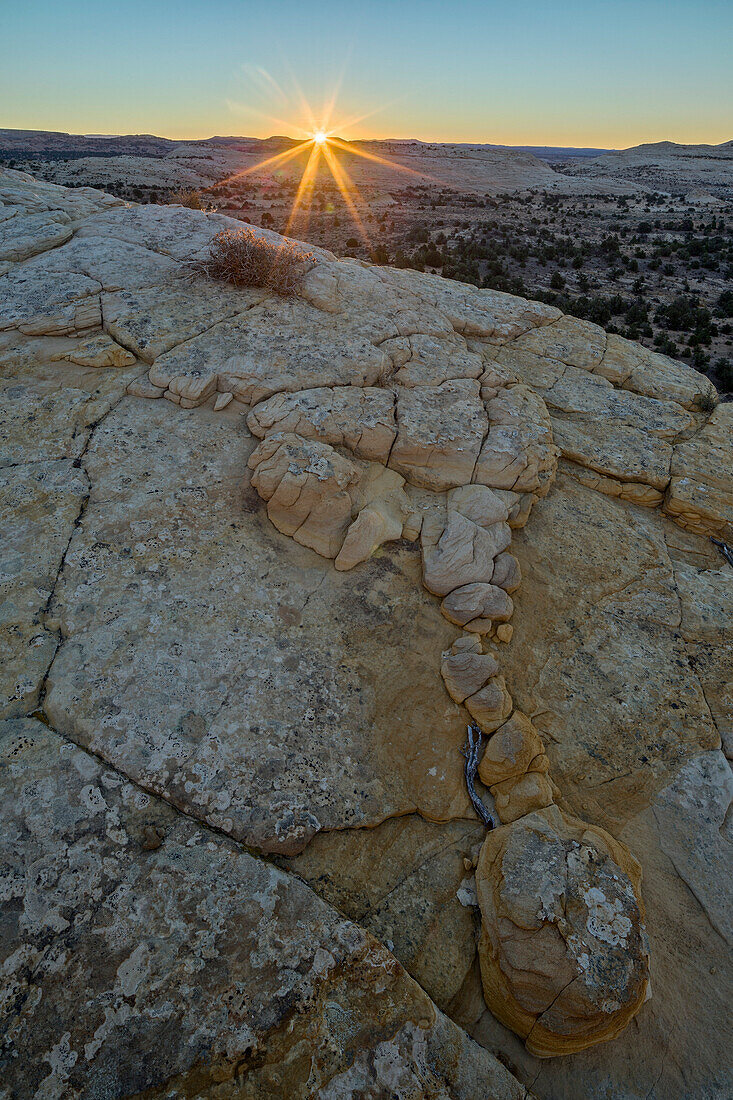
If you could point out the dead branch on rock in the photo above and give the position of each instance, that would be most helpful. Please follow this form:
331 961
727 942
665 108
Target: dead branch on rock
724 548
471 751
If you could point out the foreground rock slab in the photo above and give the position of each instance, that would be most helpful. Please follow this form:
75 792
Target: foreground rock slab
45 496
292 699
620 641
144 954
283 723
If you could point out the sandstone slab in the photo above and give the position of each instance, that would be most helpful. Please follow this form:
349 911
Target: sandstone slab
703 859
430 361
485 313
409 886
48 405
363 420
623 435
706 605
637 368
518 453
614 651
173 231
640 800
276 702
112 263
151 320
27 234
99 350
39 504
700 494
56 303
618 452
440 430
203 969
566 340
276 346
22 191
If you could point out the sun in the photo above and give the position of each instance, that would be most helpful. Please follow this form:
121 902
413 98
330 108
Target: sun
320 143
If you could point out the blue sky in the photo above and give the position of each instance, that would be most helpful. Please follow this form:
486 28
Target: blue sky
607 74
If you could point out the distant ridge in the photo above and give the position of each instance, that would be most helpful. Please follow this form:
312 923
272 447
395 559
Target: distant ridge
57 142
665 166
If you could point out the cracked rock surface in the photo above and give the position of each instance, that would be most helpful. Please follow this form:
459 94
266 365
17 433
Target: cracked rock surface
222 975
192 693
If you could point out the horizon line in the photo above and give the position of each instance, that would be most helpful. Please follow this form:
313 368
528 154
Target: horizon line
417 140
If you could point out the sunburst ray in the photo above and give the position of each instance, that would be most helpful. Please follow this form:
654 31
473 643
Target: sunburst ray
322 139
346 187
379 160
310 170
279 158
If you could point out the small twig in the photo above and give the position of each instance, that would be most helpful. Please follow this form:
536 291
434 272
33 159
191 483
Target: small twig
471 752
724 548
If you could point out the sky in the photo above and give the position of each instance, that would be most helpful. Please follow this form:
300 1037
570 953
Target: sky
601 73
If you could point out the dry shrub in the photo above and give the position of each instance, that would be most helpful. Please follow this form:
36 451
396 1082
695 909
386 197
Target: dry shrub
242 257
706 402
191 199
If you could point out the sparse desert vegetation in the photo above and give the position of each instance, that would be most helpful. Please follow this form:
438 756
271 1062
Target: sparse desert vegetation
244 258
192 199
652 267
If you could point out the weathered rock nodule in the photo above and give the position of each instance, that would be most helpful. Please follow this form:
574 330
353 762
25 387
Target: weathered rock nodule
563 949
